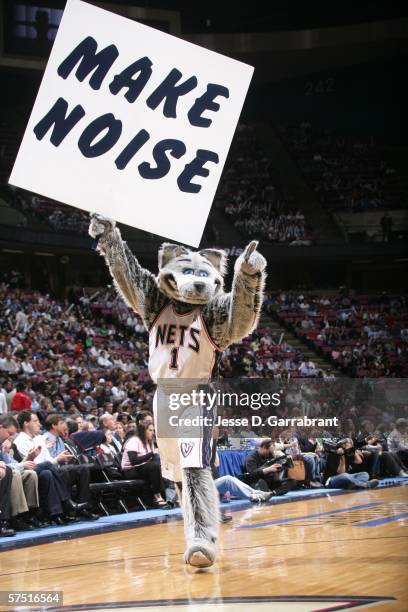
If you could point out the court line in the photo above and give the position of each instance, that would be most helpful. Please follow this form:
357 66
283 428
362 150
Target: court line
139 558
382 521
343 602
309 516
112 527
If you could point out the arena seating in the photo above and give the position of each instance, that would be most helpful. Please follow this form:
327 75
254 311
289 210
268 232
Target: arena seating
88 357
107 324
363 335
344 171
251 194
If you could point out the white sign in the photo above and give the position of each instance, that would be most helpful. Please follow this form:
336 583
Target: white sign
131 123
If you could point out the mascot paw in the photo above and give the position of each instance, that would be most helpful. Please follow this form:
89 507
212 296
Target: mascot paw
100 225
251 260
200 554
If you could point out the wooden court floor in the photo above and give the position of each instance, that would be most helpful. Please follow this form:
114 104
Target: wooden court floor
352 545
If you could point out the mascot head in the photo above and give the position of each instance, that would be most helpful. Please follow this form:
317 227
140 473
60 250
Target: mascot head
191 277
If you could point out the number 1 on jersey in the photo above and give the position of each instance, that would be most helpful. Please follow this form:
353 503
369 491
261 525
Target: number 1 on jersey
174 358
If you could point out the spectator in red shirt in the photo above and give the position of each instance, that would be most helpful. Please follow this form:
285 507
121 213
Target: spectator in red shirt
79 350
21 400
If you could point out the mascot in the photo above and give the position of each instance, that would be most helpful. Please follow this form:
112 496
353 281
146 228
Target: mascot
190 320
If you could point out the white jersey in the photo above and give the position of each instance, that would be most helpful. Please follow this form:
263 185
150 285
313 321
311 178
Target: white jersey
180 346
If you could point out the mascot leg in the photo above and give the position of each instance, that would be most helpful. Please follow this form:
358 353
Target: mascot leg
200 502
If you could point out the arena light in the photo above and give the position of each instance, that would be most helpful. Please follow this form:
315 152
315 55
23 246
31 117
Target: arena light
12 251
44 254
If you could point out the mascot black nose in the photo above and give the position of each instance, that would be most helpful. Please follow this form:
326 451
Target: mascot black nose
199 287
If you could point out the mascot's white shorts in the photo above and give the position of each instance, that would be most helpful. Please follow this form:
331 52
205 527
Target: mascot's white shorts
184 437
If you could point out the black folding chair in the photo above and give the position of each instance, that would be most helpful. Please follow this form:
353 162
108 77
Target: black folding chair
114 486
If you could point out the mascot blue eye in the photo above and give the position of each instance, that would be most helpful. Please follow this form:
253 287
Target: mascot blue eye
188 271
202 273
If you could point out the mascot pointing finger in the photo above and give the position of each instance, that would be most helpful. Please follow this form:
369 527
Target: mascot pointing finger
190 320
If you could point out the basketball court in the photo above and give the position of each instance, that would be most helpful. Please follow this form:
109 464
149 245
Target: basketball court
331 553
272 135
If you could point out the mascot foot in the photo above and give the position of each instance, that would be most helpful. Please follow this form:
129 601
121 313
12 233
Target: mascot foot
200 555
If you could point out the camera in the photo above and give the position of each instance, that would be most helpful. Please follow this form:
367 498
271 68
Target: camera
332 446
284 462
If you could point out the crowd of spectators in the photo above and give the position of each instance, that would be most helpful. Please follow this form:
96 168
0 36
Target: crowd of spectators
355 461
363 335
369 443
96 344
252 194
369 437
74 374
38 469
47 457
47 212
344 172
264 221
266 354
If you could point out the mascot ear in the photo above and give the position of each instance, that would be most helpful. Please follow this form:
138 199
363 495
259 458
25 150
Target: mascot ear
168 252
217 258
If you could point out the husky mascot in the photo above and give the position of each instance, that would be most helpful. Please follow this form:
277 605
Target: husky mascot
190 320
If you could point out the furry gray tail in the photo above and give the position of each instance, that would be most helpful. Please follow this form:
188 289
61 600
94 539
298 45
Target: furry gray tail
200 502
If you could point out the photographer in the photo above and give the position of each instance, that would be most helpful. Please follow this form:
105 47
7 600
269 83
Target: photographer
370 455
398 441
341 461
376 453
265 471
389 463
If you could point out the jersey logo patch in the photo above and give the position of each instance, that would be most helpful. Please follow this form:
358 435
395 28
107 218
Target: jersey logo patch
186 448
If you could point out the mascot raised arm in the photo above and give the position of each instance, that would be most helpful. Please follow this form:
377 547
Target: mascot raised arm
190 320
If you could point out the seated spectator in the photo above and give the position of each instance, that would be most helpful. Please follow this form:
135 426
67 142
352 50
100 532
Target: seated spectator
120 432
27 367
53 450
398 441
55 499
8 364
107 422
308 369
103 360
138 460
107 447
107 408
80 422
30 437
24 498
21 400
3 401
70 428
6 478
144 415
